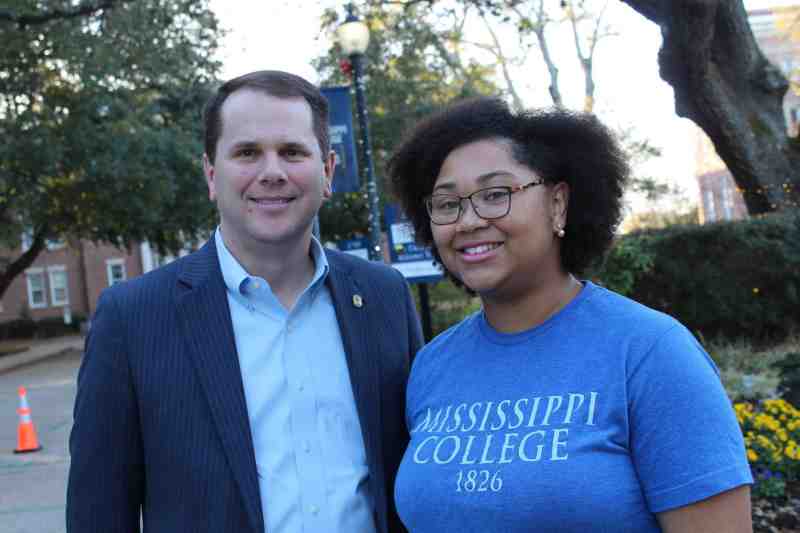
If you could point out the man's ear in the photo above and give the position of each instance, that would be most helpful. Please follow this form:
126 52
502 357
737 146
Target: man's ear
208 170
330 167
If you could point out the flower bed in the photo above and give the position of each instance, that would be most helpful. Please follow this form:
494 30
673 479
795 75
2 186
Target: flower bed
771 430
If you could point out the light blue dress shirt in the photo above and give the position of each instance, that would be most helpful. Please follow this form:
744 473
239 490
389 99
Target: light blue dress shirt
312 467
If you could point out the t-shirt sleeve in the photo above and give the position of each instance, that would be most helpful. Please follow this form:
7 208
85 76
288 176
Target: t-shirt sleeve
685 441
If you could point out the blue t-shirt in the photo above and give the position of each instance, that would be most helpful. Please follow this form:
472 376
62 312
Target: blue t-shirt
598 418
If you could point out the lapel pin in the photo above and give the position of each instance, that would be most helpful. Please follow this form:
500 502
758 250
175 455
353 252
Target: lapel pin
358 301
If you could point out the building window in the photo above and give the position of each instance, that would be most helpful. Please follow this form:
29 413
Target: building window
37 298
711 212
52 244
59 285
116 271
727 199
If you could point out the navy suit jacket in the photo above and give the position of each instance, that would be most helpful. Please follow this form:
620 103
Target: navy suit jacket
161 426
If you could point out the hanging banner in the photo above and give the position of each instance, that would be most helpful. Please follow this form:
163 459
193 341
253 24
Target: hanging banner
340 114
414 261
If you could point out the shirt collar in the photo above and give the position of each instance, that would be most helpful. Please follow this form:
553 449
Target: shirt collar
236 277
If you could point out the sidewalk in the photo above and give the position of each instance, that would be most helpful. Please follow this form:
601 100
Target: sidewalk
39 350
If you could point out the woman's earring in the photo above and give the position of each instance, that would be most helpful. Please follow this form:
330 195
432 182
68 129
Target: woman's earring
559 232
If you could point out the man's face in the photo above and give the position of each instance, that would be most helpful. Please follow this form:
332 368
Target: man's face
269 178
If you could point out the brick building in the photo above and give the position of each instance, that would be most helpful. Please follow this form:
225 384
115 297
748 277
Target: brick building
719 196
67 279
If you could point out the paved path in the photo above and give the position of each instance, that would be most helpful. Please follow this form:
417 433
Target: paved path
33 486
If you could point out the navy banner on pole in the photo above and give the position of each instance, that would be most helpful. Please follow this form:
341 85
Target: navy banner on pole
340 114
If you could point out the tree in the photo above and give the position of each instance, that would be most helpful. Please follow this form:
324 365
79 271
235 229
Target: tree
535 24
100 119
587 26
724 84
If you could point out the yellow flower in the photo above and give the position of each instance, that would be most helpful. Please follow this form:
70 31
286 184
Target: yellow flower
752 456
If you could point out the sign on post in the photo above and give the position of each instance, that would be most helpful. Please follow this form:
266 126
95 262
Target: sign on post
358 247
415 262
340 113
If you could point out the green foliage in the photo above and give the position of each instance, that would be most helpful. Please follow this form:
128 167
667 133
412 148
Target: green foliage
45 328
769 486
729 279
344 216
449 305
789 374
747 371
628 260
100 119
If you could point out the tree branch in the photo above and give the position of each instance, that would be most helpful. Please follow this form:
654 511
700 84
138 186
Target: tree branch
501 58
538 29
19 265
41 18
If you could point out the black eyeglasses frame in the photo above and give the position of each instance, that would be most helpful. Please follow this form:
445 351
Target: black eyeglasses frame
509 189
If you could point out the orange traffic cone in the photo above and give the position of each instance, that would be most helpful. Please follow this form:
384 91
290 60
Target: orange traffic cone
26 434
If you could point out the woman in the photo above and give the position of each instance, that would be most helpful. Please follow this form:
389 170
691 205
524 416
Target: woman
560 406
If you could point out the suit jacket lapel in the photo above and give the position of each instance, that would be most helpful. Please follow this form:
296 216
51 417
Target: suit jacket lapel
208 331
354 325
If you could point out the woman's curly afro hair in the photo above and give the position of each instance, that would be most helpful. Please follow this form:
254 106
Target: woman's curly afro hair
559 145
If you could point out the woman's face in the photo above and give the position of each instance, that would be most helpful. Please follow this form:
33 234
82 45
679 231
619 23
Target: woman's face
508 256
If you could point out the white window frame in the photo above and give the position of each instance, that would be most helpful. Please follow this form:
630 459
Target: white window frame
110 264
727 200
28 274
58 269
711 211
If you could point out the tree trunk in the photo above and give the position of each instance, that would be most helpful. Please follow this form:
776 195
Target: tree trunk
19 265
725 85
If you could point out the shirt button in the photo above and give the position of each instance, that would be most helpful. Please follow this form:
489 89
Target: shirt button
306 447
301 387
314 510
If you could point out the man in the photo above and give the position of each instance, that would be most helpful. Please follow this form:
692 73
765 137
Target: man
257 384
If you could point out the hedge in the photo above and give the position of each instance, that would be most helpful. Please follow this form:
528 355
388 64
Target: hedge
733 279
45 328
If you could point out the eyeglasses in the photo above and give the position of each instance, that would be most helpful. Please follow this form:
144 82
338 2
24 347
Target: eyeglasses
489 203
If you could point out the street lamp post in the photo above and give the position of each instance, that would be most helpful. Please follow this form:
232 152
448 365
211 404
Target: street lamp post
353 37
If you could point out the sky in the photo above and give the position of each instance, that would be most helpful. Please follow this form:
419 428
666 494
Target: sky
285 35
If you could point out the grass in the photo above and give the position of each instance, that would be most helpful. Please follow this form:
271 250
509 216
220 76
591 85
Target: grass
747 370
